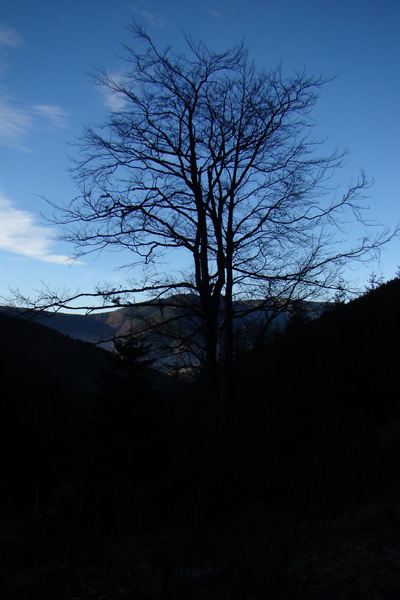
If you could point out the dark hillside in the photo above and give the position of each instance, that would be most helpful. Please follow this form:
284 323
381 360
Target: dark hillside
350 356
299 498
325 405
47 379
37 344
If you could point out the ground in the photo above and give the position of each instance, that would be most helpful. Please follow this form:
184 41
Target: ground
349 557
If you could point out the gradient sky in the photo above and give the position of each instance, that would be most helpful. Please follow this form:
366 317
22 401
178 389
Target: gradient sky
48 46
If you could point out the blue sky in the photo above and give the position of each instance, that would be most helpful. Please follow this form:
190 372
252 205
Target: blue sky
48 46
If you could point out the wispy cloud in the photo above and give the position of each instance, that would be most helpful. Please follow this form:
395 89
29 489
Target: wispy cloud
17 122
54 115
114 100
20 234
15 125
214 13
9 37
9 40
17 119
149 16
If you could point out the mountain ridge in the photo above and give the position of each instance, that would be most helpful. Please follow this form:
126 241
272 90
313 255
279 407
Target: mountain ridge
101 327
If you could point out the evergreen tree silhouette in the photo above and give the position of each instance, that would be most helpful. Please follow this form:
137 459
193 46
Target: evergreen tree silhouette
126 412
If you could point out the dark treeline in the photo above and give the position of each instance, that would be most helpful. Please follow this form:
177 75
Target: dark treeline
103 445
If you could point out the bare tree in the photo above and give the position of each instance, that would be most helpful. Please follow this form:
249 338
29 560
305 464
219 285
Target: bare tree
213 158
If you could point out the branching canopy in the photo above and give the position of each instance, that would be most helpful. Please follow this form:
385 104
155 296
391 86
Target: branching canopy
212 157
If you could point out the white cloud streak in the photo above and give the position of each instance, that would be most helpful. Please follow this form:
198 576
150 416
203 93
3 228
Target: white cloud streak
55 115
151 17
215 14
113 100
16 123
20 235
9 37
9 40
17 120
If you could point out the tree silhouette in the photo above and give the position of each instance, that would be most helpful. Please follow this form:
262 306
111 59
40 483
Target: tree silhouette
128 415
210 160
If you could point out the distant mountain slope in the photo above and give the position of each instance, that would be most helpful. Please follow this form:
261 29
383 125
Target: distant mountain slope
100 328
82 327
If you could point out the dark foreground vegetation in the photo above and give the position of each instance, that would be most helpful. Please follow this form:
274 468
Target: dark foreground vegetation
108 489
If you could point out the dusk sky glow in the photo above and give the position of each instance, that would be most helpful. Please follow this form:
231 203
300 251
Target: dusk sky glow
47 48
